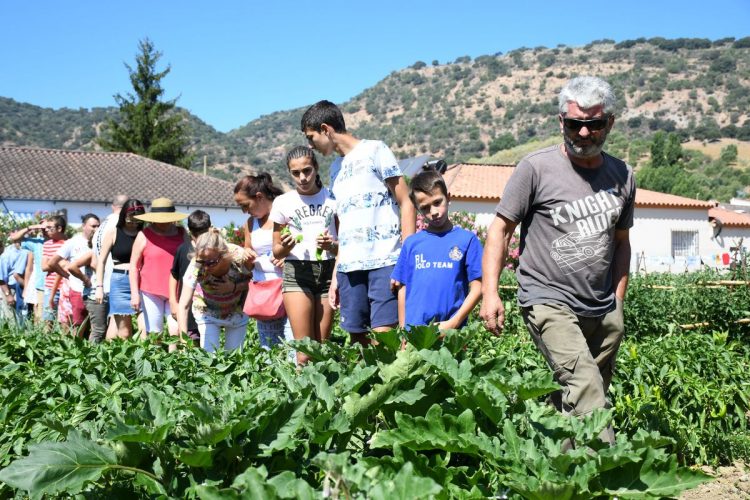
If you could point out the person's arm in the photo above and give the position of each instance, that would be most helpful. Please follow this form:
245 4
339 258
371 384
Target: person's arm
74 268
29 268
282 244
55 265
247 230
107 241
186 299
136 260
400 191
18 235
493 261
468 305
53 291
621 262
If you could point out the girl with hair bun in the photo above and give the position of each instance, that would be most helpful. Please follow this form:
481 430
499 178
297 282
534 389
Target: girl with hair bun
255 194
222 270
304 234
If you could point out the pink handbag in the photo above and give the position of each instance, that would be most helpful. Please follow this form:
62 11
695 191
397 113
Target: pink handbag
264 301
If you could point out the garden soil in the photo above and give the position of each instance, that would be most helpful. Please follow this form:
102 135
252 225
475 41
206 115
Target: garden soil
732 482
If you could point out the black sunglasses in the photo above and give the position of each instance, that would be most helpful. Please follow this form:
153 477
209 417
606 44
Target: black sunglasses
207 263
593 125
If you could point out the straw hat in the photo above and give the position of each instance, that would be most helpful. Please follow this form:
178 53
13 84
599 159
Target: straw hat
162 210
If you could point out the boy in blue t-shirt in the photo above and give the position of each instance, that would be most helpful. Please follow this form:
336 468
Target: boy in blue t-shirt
439 267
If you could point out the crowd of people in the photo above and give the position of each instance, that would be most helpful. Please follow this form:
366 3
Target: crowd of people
351 246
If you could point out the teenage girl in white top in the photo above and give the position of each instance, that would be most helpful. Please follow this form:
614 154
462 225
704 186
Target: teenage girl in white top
304 234
254 194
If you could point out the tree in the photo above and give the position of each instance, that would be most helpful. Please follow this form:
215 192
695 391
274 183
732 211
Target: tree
658 157
673 149
147 125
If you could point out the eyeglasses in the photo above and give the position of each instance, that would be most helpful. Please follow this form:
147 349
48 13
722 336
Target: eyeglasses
208 263
593 125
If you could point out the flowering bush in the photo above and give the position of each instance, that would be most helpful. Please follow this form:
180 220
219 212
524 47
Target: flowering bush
233 234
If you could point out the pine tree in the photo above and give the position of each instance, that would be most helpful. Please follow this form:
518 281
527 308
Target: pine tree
147 125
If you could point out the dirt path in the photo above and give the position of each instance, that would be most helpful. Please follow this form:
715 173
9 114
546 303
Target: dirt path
732 482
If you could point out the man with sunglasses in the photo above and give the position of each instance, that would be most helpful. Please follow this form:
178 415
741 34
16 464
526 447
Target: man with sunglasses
575 206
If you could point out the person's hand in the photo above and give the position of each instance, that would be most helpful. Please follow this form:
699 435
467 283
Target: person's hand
173 308
276 262
325 241
52 302
287 240
333 294
99 295
87 282
250 255
448 324
493 313
135 301
395 285
11 299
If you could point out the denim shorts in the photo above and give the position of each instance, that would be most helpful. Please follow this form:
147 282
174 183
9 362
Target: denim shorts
367 300
119 295
309 276
50 314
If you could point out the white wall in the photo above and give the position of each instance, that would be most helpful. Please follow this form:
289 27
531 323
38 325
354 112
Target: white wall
220 217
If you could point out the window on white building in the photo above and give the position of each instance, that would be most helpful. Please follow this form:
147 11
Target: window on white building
684 243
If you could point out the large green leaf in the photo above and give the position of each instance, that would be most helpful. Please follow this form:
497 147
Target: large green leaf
406 484
56 467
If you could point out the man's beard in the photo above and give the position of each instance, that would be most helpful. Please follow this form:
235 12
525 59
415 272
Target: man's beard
592 148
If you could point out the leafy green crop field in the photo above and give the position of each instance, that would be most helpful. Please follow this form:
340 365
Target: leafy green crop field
461 417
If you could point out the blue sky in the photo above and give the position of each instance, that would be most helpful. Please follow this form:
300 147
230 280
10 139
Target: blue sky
235 61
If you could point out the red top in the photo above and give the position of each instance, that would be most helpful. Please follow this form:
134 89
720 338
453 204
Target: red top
156 265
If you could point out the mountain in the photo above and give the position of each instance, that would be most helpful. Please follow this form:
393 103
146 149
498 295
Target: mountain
471 108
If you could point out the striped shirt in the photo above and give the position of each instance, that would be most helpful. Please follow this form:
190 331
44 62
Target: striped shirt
49 250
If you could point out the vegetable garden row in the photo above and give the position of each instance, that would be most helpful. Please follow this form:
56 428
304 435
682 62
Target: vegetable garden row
461 417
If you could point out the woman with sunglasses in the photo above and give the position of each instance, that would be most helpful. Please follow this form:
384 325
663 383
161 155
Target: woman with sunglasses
214 284
118 241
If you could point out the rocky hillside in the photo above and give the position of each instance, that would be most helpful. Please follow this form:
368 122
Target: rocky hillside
471 108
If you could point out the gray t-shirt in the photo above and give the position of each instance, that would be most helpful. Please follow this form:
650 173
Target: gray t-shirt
568 218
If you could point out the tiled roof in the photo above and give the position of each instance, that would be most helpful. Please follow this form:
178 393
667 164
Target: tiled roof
51 174
730 217
653 199
468 181
479 182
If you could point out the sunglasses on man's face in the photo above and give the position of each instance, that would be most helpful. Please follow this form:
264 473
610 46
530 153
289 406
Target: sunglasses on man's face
593 125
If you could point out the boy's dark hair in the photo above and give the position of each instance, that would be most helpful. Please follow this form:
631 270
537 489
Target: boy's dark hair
130 208
85 218
198 222
59 221
426 182
250 185
323 112
305 152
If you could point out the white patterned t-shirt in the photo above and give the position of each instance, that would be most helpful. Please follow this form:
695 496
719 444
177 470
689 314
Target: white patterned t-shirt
369 223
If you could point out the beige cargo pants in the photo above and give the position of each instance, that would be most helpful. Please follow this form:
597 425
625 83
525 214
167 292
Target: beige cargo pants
581 352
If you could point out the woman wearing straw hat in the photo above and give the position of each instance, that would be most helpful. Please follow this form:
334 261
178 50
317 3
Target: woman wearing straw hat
118 241
150 264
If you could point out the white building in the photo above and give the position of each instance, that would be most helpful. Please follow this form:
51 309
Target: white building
79 182
670 233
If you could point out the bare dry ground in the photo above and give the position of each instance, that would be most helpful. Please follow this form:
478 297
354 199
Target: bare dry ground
732 483
713 149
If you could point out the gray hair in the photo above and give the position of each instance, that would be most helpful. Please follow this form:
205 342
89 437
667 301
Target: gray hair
587 92
211 240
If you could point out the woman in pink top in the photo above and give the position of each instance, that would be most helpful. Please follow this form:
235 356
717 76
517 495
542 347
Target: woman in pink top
150 264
